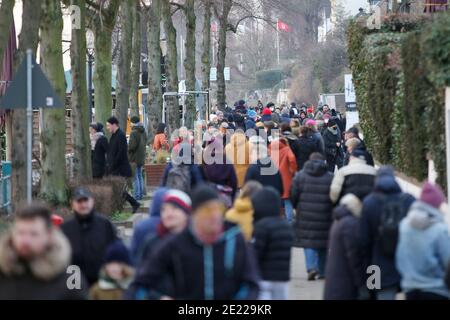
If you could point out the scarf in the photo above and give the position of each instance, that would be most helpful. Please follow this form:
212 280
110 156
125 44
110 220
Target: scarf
333 131
94 139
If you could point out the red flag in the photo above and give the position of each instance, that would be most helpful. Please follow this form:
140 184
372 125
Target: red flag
282 26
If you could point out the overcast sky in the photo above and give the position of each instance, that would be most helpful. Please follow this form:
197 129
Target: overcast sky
352 6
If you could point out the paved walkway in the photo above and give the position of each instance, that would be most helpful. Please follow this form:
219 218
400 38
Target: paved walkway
300 288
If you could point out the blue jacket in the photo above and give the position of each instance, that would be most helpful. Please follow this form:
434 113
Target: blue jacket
147 226
386 189
250 124
423 251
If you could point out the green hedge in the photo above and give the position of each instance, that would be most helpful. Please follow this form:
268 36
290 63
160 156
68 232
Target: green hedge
400 73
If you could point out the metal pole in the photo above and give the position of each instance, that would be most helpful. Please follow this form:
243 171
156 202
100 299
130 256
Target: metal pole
278 45
447 134
29 125
90 61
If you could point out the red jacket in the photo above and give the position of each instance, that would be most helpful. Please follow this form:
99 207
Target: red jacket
284 159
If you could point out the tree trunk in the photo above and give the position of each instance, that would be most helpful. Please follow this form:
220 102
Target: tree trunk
171 66
189 63
221 53
136 59
28 39
53 129
124 64
154 99
82 165
6 17
206 45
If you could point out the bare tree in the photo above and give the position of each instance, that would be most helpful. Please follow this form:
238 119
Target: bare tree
206 45
6 17
136 58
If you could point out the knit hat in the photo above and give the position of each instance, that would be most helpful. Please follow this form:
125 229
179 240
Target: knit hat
252 114
267 112
432 195
310 122
117 252
179 199
385 171
266 203
202 194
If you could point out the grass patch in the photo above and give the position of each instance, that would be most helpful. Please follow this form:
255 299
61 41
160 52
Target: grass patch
120 216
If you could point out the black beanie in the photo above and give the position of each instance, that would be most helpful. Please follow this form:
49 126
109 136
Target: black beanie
202 194
266 203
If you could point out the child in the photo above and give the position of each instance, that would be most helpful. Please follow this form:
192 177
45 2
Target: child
115 275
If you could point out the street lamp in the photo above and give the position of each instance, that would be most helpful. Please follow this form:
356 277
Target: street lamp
90 54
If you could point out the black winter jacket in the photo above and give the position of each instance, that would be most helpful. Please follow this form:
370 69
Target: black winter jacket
307 146
256 172
344 274
99 157
310 195
183 268
274 239
118 164
89 238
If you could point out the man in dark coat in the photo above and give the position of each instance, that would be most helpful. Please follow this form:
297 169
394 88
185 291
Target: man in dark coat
273 240
137 147
387 190
345 277
34 260
332 143
310 195
118 164
209 260
89 234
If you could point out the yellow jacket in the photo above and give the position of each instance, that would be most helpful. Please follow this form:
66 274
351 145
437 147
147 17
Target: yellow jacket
237 150
242 214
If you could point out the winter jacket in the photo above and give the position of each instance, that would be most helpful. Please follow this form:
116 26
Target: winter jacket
137 145
108 289
318 142
160 142
310 195
286 163
98 156
330 140
273 240
307 146
357 178
345 274
147 226
221 174
250 124
285 118
276 117
265 172
118 164
182 267
242 214
44 278
89 238
423 251
196 175
386 189
238 152
266 117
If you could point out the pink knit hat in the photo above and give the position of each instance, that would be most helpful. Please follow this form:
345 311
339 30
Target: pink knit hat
310 122
432 195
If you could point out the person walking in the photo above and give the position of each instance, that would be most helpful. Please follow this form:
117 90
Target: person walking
89 234
357 178
284 159
310 196
332 143
423 251
34 257
209 260
238 152
273 240
344 272
382 211
115 275
118 164
160 142
308 145
99 149
137 147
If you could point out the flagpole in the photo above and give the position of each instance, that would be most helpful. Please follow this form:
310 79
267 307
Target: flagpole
29 126
278 42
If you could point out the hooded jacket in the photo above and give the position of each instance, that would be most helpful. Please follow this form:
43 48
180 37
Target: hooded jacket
221 174
423 251
310 196
137 145
386 189
345 272
44 278
238 152
110 289
242 214
256 172
284 159
147 226
182 267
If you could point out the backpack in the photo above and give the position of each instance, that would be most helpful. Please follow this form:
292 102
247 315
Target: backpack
179 178
393 212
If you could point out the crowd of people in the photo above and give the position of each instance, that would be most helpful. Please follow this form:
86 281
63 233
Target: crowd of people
224 229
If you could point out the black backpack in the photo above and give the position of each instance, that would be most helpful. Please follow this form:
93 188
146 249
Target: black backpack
393 211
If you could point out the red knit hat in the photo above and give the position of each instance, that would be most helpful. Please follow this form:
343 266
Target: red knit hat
179 199
267 112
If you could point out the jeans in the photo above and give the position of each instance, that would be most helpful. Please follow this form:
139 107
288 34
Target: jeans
389 293
315 260
273 290
288 210
138 183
